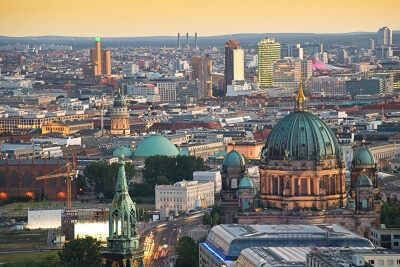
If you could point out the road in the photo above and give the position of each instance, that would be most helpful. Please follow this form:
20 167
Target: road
160 241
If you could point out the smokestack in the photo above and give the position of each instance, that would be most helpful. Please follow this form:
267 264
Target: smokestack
187 40
179 40
195 40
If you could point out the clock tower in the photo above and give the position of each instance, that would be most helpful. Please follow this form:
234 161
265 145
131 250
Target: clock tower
123 248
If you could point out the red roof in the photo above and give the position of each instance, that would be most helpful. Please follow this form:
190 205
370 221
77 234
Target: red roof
261 135
185 125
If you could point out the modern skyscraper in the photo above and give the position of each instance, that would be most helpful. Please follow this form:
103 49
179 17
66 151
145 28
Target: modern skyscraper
291 50
268 52
100 59
234 63
384 36
202 66
106 62
95 56
343 57
372 45
123 248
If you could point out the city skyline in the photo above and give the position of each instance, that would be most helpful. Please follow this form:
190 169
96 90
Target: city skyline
155 18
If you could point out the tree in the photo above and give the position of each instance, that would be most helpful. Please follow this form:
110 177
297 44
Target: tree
161 180
390 213
104 176
188 252
81 184
81 252
173 168
215 215
214 218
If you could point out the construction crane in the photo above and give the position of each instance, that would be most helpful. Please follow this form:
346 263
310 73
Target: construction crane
69 173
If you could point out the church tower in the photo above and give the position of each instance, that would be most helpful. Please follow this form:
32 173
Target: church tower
123 249
232 171
120 124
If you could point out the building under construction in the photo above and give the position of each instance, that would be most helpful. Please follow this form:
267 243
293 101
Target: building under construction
18 179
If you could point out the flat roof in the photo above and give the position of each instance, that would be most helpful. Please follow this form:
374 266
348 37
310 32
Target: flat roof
227 240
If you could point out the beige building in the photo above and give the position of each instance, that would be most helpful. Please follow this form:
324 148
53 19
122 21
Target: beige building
184 195
268 52
26 123
386 237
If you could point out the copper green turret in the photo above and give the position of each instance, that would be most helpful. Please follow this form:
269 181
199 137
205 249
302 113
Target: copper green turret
123 247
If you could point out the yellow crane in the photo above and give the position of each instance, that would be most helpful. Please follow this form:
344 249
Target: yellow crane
69 173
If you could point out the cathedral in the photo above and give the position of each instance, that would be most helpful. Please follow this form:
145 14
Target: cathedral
302 179
302 164
123 248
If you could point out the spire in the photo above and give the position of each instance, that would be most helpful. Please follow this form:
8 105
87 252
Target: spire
300 99
122 185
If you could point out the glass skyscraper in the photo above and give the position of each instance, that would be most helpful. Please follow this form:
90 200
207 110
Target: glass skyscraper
268 52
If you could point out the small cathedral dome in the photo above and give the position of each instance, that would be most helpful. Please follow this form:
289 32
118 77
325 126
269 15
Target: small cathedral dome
122 151
363 156
364 181
233 159
246 183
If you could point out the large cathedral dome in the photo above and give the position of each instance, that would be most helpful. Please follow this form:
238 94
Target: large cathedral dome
301 136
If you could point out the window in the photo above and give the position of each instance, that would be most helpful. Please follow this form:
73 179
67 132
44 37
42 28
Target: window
381 262
386 237
396 244
372 261
390 262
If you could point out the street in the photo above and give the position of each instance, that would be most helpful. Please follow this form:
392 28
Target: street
160 241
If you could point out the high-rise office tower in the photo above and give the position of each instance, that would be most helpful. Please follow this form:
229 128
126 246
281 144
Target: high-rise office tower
372 45
179 40
306 69
195 40
292 50
100 60
384 36
95 57
343 56
234 63
106 62
202 66
268 52
187 40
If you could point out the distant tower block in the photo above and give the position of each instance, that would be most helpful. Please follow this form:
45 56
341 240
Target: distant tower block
187 40
179 40
195 40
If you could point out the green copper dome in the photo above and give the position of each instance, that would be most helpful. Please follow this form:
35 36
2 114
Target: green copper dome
301 136
245 183
122 151
364 181
363 156
156 145
233 159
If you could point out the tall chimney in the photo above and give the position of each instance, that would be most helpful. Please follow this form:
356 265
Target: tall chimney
195 40
179 40
187 40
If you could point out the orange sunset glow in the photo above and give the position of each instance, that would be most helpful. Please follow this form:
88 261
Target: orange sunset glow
208 17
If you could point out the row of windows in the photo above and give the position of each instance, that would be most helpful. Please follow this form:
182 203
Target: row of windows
390 262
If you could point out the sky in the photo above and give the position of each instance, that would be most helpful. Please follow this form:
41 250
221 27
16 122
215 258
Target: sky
130 18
